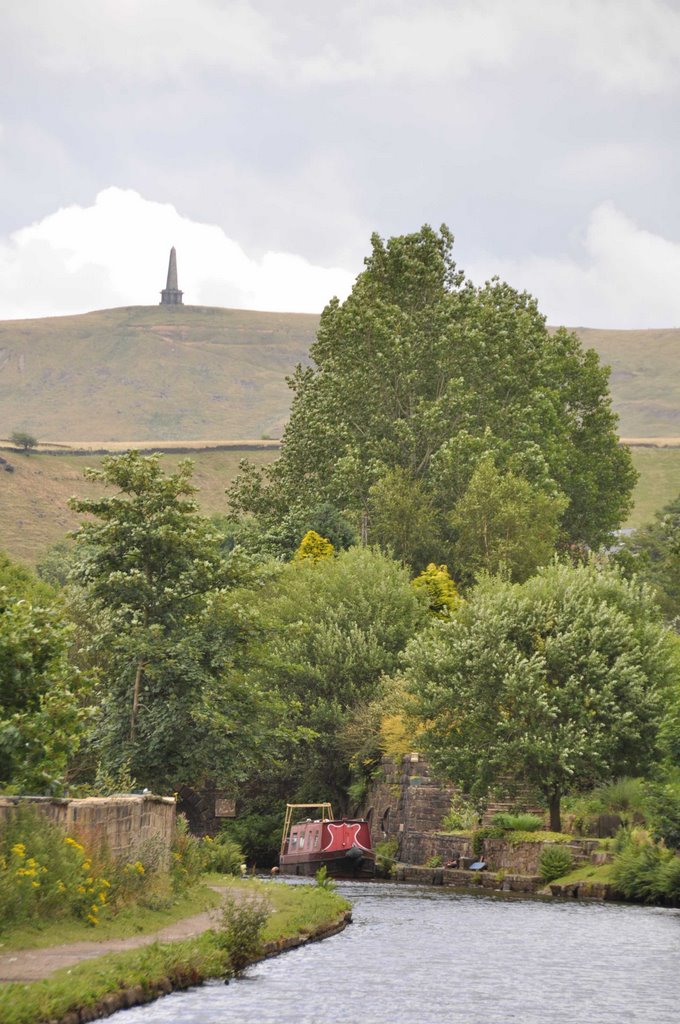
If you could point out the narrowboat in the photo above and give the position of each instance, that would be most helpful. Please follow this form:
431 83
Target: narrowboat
342 845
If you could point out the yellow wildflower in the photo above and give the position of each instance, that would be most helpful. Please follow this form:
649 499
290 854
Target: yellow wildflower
60 887
74 844
92 919
105 884
139 867
86 865
80 889
36 885
102 898
19 850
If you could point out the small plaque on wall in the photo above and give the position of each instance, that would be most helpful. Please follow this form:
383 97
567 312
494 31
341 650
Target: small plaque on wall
225 807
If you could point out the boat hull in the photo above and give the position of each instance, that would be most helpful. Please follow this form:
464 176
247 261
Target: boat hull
342 846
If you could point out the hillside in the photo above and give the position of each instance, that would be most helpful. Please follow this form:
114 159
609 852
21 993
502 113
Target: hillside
150 372
33 498
190 373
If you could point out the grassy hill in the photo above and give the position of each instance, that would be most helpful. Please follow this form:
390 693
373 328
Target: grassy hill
191 372
645 378
33 499
150 373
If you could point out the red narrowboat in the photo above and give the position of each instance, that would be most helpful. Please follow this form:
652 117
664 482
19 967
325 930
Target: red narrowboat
342 845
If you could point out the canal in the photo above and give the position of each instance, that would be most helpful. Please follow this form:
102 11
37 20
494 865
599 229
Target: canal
431 956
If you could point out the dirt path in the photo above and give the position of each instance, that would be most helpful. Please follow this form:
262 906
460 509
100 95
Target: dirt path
35 964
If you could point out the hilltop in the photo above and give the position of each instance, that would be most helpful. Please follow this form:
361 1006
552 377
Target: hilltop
153 373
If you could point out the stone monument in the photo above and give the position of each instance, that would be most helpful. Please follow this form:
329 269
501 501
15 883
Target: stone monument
171 295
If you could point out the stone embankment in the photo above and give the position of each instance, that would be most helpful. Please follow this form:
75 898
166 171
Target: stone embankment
182 979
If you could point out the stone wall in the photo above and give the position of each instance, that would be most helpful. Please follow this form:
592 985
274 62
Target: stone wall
420 847
122 823
406 800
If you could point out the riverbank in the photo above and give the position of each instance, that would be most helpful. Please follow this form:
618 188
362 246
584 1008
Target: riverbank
115 980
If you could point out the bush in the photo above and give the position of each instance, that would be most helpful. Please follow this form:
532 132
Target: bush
188 858
555 861
517 822
46 874
663 801
487 832
625 797
386 856
240 932
462 815
222 854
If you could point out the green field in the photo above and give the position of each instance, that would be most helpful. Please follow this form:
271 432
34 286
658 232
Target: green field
33 499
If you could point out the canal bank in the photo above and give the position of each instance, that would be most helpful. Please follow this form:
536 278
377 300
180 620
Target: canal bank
110 976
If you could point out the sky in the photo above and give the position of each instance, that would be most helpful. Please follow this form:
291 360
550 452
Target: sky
268 140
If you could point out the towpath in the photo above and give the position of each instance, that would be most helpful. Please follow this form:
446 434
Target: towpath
35 964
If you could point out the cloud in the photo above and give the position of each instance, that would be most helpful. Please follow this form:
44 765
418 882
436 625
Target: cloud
620 44
114 253
625 277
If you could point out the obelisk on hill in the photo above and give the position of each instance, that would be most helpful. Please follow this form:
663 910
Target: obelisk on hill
171 295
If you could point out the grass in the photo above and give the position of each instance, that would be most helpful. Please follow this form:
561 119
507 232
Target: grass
296 910
659 482
146 372
33 499
129 922
586 873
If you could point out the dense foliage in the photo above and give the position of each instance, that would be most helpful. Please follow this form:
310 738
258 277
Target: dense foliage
558 682
415 377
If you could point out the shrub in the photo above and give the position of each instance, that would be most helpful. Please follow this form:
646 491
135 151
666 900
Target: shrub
462 815
188 858
664 811
555 861
517 822
386 856
487 832
222 854
637 871
46 874
625 797
240 931
434 862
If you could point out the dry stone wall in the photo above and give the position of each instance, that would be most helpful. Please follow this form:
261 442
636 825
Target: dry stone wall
122 823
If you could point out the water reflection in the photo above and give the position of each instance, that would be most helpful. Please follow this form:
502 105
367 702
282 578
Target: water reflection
432 956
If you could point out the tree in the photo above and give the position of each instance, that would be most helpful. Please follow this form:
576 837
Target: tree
23 440
558 682
42 712
502 523
328 631
313 548
403 518
436 583
150 565
422 372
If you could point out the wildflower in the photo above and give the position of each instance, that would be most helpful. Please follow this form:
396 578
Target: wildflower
19 850
59 886
36 885
74 844
86 865
105 884
139 867
92 919
102 898
81 889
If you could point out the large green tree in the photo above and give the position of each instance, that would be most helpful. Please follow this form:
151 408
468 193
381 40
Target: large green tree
422 372
163 634
653 552
559 682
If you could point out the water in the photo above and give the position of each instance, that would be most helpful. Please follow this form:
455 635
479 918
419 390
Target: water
430 956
